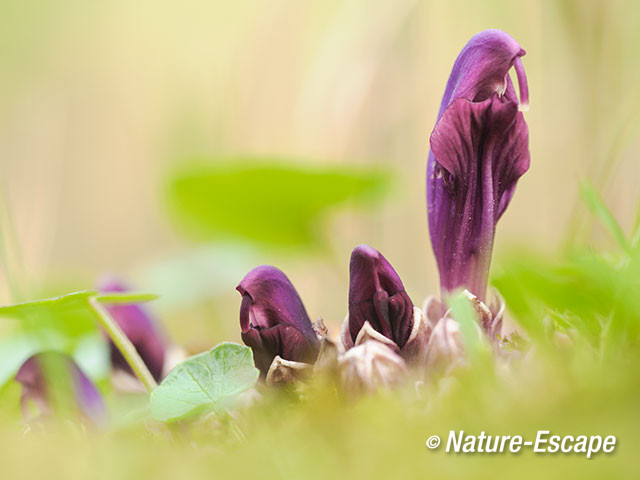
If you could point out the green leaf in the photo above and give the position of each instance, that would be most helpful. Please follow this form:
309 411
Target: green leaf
265 203
601 211
72 300
126 297
210 380
464 313
583 290
65 323
34 307
69 316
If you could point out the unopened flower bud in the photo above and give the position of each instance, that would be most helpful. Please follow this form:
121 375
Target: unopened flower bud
377 298
273 319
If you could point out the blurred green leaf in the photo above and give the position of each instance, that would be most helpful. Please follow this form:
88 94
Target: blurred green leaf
267 202
463 312
69 314
126 297
70 300
206 381
66 324
601 211
591 293
594 294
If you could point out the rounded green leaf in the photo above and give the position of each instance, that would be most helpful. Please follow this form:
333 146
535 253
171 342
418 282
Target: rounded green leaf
203 382
266 202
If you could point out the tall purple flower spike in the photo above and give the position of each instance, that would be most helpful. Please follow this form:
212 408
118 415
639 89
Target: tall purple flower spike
141 329
273 319
37 390
479 150
377 296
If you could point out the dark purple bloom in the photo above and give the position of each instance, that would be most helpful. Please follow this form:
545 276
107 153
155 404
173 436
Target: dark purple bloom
141 329
377 296
273 319
479 149
51 378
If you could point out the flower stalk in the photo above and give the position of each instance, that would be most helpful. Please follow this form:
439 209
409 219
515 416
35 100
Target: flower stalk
123 344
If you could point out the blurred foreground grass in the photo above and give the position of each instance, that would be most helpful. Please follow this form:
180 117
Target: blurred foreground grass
375 437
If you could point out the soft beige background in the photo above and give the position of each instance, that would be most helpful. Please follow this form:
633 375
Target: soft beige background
99 99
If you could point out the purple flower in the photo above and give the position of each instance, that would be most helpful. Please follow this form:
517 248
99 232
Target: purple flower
479 150
377 296
51 380
273 319
140 328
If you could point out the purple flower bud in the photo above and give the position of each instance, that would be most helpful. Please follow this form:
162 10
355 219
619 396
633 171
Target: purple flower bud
141 329
273 319
479 150
70 385
377 296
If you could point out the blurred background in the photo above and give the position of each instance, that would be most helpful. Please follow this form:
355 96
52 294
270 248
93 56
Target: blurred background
179 144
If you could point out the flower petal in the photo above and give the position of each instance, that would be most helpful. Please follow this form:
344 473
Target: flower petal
377 296
481 68
481 150
273 319
281 340
274 300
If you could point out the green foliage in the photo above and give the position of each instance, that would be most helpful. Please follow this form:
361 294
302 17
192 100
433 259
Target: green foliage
587 293
62 305
600 210
208 381
267 202
66 323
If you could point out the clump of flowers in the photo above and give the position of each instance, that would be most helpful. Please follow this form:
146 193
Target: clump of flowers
479 150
